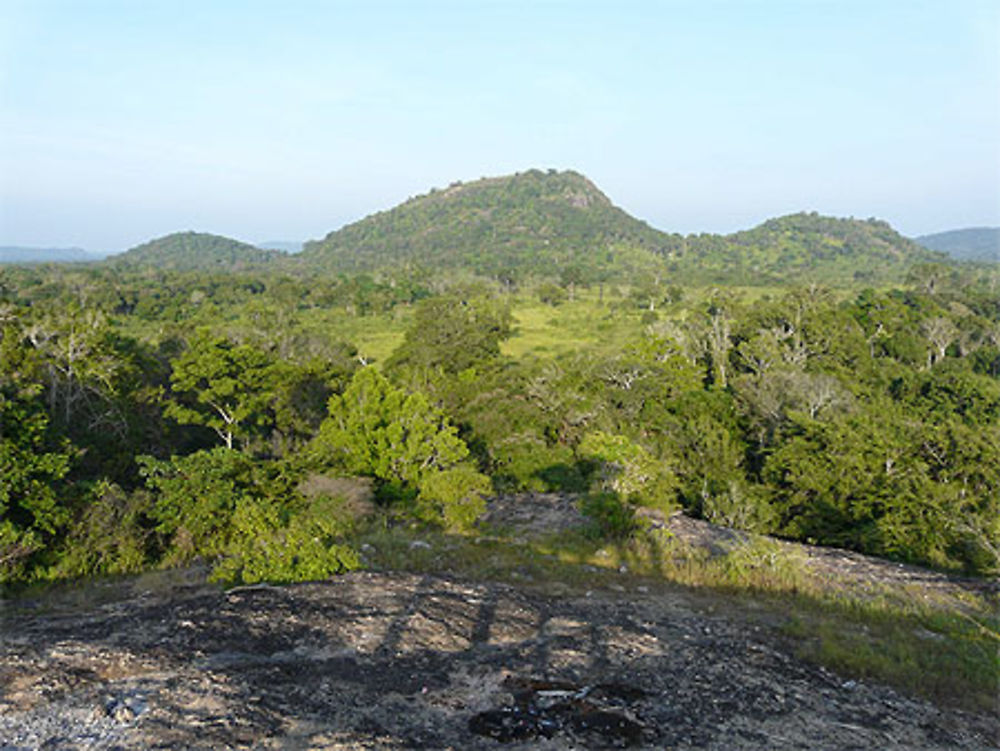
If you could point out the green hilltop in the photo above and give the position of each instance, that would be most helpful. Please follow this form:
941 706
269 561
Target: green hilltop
527 222
553 223
196 251
803 247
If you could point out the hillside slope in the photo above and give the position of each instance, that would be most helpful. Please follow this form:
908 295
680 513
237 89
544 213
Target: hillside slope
387 660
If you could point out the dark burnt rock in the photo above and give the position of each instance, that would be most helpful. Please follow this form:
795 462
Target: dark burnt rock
391 661
512 724
545 708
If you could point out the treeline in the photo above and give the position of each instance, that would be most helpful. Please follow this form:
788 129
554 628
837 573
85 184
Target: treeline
151 419
161 297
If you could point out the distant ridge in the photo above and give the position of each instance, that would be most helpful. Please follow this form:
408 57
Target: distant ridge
970 244
19 254
559 223
196 251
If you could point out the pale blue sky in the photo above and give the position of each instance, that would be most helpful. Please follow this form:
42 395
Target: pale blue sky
121 121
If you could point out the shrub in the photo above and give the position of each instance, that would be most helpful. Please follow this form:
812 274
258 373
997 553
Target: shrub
612 517
196 496
628 470
113 534
453 498
740 506
273 543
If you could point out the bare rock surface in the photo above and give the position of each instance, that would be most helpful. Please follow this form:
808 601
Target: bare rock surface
391 661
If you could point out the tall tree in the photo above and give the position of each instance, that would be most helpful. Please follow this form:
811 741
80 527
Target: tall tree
30 469
223 386
379 430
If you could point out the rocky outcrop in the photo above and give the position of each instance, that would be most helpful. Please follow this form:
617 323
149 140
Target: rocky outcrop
390 661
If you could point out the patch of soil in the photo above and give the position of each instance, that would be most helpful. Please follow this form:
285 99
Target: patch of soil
391 661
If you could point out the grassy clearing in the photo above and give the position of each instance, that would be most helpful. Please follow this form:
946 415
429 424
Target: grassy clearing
945 647
584 324
597 322
375 336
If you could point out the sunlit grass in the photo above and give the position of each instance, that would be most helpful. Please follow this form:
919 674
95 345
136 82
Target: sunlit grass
598 321
586 323
375 336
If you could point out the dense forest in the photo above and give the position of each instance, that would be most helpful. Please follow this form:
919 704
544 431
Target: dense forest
150 420
152 414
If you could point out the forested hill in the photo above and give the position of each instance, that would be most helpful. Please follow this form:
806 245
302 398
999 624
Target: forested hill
530 222
196 251
803 247
560 224
971 244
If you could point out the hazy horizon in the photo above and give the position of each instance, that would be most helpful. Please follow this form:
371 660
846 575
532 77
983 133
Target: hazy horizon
280 244
123 122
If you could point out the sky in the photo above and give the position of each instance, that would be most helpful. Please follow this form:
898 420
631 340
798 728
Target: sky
124 121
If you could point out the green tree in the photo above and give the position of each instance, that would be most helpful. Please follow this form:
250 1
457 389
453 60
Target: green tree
223 386
378 430
301 392
85 367
572 276
521 421
628 470
551 294
111 534
278 542
866 481
31 510
454 332
195 497
454 497
247 517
